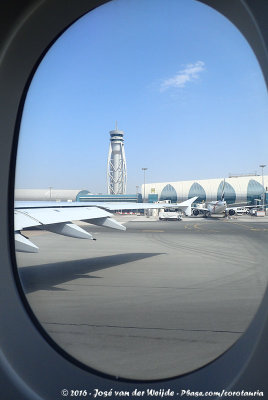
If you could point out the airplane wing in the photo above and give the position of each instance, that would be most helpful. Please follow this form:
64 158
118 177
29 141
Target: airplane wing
57 216
254 206
241 205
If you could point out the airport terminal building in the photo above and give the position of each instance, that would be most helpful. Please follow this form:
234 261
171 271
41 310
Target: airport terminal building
238 189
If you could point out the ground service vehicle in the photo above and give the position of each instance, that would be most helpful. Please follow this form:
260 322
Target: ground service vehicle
169 215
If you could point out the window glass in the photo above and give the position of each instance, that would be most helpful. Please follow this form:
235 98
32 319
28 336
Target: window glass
197 190
255 190
228 191
169 193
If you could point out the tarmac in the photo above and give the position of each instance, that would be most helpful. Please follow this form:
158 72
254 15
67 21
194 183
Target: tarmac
156 301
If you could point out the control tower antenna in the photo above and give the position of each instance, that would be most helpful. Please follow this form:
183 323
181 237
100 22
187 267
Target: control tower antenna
116 165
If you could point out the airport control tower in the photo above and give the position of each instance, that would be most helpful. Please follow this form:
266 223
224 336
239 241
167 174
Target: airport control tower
116 166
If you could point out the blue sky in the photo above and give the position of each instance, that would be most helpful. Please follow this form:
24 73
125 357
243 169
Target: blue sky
180 79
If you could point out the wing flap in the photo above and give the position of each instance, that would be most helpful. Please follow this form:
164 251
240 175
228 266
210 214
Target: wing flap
22 220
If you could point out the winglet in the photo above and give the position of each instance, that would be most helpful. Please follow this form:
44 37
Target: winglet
186 205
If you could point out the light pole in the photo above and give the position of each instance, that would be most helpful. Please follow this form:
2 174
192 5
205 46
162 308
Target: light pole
50 188
144 170
263 194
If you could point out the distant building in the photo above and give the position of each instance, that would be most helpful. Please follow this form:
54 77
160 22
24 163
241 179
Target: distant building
124 198
51 194
239 189
48 194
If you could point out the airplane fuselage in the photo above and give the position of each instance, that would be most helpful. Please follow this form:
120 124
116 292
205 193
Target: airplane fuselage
216 207
209 208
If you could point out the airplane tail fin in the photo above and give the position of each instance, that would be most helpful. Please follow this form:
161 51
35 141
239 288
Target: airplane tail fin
223 189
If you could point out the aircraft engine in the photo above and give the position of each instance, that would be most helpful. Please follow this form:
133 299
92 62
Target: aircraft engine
231 212
196 212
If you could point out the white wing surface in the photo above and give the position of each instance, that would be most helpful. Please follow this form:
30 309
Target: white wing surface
28 217
57 216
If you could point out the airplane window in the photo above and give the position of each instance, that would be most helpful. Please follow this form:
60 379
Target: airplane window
127 291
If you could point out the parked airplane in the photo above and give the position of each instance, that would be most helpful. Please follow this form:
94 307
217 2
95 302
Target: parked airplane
220 207
212 207
57 216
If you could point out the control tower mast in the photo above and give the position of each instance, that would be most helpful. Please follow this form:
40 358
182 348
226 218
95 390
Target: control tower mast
116 166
